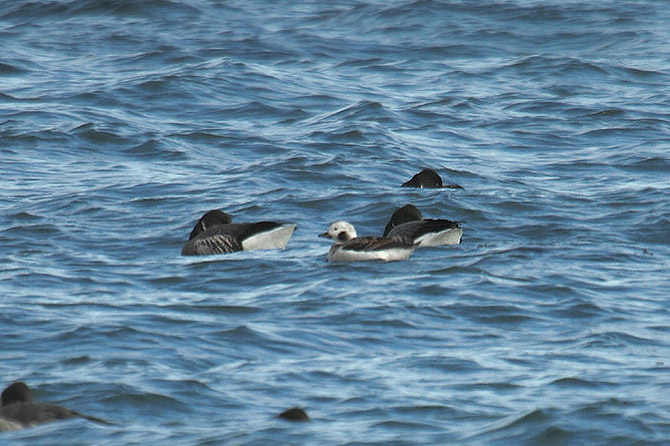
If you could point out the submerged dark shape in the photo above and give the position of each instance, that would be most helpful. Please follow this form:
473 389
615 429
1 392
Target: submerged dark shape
408 225
294 414
20 410
428 178
215 233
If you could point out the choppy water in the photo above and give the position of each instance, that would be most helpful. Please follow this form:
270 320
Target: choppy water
122 122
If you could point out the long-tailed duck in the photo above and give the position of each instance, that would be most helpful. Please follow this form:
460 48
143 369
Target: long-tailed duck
428 178
19 410
350 248
215 233
407 224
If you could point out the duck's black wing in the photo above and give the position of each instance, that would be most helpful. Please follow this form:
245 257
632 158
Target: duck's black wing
251 229
33 413
414 229
374 243
219 239
28 414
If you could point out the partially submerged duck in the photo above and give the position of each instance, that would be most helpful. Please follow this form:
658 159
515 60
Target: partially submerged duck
294 414
348 247
407 224
19 410
428 178
215 233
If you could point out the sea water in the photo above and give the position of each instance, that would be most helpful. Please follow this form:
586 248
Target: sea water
122 122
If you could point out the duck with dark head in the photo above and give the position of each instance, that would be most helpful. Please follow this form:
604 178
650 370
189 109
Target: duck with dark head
428 179
19 409
215 233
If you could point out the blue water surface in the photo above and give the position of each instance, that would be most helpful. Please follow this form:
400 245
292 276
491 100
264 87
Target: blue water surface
121 122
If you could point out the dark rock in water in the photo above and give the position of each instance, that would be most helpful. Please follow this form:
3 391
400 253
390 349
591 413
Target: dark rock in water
428 178
294 414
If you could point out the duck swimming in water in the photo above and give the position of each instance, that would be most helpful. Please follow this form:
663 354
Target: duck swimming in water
428 178
294 414
18 409
215 233
350 248
407 224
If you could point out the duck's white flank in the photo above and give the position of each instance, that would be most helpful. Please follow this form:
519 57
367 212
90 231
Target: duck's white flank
451 236
276 238
338 254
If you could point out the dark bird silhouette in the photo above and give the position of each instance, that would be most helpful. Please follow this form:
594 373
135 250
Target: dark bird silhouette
19 410
428 178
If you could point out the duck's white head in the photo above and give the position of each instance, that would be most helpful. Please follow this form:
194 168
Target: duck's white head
340 231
